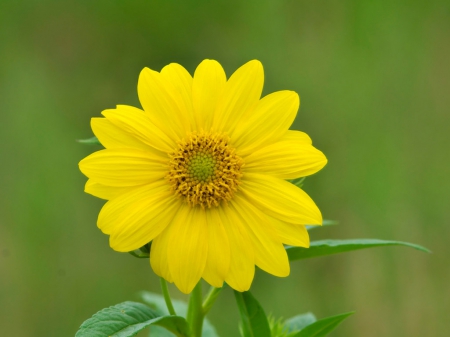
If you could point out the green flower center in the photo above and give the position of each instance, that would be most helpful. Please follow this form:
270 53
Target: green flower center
201 167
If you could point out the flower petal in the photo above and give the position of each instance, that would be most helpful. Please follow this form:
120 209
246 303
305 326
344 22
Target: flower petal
289 234
181 81
188 247
110 214
218 260
104 191
240 95
156 97
268 122
298 136
136 122
270 254
242 262
289 158
159 255
144 219
123 167
207 86
113 137
280 199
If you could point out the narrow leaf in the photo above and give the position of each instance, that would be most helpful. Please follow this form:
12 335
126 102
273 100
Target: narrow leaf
143 252
322 327
298 322
127 319
89 141
156 301
324 223
298 181
139 254
328 247
253 319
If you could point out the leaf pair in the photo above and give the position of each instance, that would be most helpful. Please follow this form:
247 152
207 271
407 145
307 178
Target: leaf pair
328 247
306 325
254 321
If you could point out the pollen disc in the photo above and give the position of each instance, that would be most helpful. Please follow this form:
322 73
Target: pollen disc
205 169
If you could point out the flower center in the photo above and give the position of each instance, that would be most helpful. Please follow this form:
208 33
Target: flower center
202 166
204 169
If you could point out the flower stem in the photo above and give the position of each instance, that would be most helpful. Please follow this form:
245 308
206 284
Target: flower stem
210 299
195 311
166 294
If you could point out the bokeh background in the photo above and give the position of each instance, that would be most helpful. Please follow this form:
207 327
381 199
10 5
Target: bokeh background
374 78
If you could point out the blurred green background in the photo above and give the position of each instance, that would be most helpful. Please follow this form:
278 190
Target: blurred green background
374 78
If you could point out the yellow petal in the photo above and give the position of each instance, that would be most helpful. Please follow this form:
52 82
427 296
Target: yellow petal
267 123
289 158
123 167
111 212
159 253
181 82
289 234
137 123
270 254
188 247
240 95
242 262
207 87
297 136
104 191
280 199
158 102
144 219
113 137
218 260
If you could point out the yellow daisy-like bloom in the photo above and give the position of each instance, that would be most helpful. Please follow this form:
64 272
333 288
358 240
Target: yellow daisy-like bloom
201 173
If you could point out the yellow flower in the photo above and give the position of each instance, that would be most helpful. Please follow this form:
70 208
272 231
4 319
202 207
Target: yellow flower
201 173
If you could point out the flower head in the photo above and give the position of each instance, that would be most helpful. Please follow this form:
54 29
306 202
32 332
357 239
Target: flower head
201 173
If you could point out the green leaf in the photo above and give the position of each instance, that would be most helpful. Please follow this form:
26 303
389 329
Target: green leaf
328 247
298 181
139 254
127 319
143 252
253 319
322 327
324 223
157 331
89 141
329 222
298 322
158 303
277 328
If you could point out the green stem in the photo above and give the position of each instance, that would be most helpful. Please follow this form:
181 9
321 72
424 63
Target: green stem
210 299
166 294
195 311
